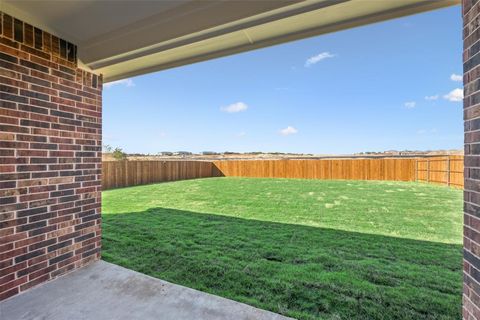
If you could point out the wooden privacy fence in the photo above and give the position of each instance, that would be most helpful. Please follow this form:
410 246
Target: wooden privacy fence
131 173
348 169
443 170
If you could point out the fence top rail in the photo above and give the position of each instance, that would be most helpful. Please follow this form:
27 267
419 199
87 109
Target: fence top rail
159 160
420 158
400 157
438 160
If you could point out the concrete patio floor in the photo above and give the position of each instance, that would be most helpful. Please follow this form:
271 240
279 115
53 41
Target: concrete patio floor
107 291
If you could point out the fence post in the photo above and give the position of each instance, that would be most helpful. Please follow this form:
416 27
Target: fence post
125 181
448 171
331 169
416 169
428 170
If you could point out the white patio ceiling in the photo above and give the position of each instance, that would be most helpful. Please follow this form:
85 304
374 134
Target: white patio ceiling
125 38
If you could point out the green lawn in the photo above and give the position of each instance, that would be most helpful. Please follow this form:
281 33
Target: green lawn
309 249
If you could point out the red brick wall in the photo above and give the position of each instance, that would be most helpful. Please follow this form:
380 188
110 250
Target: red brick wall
50 158
471 261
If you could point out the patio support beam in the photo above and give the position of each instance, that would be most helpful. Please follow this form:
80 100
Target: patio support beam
50 158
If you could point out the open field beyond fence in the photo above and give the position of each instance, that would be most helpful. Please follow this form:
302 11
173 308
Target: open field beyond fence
446 170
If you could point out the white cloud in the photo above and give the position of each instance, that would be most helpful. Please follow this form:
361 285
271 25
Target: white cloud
455 95
319 57
456 77
241 134
410 104
235 107
432 98
125 82
288 131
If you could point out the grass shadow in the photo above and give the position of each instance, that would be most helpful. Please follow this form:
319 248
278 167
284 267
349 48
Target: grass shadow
299 271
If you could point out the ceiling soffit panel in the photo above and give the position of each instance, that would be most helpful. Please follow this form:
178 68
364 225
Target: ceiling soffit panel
127 38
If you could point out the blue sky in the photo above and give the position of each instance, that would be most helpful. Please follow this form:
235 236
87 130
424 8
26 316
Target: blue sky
389 85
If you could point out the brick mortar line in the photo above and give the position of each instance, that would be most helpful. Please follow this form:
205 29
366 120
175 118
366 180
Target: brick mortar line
58 79
50 109
471 265
465 14
56 136
473 279
476 231
476 54
470 71
471 240
472 216
472 119
472 106
470 35
471 303
470 21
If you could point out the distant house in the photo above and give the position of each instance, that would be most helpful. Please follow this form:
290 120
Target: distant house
209 153
183 153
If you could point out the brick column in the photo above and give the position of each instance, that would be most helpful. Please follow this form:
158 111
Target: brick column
50 158
471 261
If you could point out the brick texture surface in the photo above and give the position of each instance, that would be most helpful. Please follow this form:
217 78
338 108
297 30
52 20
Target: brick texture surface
50 158
471 257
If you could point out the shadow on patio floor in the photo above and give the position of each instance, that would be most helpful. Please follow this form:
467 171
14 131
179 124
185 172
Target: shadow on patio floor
299 271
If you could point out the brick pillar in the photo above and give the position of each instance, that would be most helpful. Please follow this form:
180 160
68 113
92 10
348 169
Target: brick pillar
471 261
50 158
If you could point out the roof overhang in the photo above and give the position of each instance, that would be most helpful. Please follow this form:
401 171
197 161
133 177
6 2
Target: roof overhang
121 39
